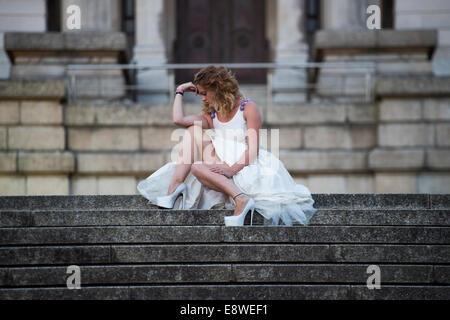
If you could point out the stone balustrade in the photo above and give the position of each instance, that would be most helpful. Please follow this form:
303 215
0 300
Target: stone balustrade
38 56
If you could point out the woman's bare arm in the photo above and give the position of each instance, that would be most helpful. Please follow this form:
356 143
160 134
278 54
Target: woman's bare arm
178 113
254 122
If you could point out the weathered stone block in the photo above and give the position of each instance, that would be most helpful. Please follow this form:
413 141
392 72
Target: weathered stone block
289 138
160 138
36 72
362 113
390 253
84 185
47 185
395 183
443 134
43 89
12 185
327 184
100 139
123 114
406 135
436 109
412 68
438 158
117 185
29 41
327 161
360 183
40 112
55 255
306 114
92 40
3 138
396 159
332 39
36 138
219 253
9 112
133 114
400 109
8 161
336 39
119 162
46 162
339 137
433 182
412 86
80 114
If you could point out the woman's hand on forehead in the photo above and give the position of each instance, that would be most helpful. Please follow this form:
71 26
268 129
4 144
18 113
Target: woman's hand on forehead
197 91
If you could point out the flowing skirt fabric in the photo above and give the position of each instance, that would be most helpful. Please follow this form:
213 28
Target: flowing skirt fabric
278 198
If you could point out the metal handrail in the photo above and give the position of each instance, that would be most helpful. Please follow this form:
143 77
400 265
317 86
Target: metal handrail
253 65
359 67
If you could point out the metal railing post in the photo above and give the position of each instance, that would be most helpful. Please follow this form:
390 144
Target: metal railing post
171 84
368 86
269 89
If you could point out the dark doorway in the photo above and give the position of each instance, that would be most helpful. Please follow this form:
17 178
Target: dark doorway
221 31
53 8
127 23
387 14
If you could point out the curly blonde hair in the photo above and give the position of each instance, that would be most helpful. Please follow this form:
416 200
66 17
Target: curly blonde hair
224 85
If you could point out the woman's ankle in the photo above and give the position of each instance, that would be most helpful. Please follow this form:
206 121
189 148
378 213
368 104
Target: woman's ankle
173 186
241 199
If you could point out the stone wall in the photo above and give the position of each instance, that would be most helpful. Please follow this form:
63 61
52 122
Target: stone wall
33 156
398 144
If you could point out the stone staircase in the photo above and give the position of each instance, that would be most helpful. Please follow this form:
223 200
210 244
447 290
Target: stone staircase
127 249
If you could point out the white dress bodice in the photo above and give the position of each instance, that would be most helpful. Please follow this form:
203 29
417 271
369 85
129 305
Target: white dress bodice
234 129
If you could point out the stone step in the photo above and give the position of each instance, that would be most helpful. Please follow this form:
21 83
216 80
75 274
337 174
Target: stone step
165 217
221 234
224 273
322 201
224 253
233 292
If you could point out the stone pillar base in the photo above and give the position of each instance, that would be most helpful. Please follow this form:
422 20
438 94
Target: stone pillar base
43 56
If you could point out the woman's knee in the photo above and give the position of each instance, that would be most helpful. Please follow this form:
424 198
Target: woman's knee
197 169
189 133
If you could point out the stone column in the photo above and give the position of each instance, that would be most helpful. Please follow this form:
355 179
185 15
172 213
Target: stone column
150 49
291 47
346 14
98 15
422 14
19 16
100 28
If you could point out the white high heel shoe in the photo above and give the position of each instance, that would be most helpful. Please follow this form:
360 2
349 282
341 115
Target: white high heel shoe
235 221
169 200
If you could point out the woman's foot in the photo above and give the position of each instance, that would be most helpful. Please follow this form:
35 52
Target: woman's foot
241 202
169 200
173 186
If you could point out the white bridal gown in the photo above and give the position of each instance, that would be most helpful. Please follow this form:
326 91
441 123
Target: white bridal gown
277 197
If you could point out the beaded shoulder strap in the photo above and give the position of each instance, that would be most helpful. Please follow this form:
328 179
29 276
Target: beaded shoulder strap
241 107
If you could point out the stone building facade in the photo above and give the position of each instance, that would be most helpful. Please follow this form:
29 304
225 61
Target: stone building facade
97 138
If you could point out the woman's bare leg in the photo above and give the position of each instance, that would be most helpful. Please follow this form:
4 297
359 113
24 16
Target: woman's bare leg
219 183
216 181
185 159
195 146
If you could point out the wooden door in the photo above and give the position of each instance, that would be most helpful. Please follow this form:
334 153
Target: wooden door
219 31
